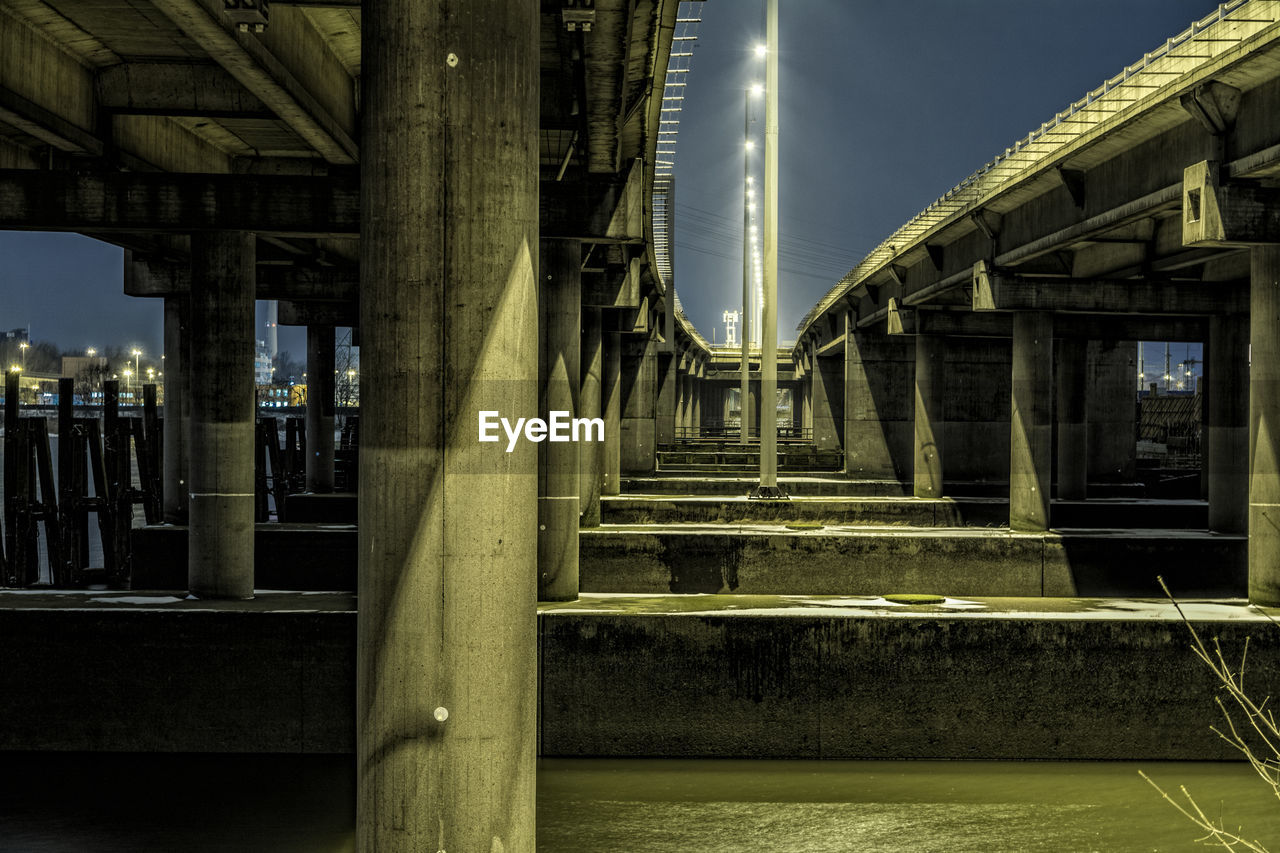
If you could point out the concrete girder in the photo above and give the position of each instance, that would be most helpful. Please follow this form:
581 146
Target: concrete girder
1216 212
318 313
597 209
176 89
47 127
282 205
153 277
995 290
250 62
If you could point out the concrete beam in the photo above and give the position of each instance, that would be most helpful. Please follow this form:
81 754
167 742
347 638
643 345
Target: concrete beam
1217 213
155 277
35 121
176 89
250 62
994 290
277 205
598 209
318 313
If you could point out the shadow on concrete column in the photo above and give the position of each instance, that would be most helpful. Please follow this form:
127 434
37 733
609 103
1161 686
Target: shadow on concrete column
1073 432
1031 425
1226 422
321 358
220 550
446 653
590 452
930 424
639 399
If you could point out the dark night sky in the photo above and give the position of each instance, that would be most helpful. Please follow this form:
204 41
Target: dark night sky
884 107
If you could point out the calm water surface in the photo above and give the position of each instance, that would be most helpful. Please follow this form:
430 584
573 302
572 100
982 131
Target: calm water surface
87 803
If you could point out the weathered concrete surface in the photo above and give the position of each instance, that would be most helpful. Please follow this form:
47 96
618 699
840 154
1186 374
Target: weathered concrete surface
153 672
321 401
1031 425
930 426
286 556
772 676
638 403
221 453
820 680
944 512
1264 427
878 413
763 559
687 484
1072 455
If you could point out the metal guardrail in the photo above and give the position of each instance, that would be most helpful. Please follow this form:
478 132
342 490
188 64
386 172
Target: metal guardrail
1140 82
688 16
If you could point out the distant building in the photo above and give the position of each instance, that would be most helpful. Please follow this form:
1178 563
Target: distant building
262 365
17 336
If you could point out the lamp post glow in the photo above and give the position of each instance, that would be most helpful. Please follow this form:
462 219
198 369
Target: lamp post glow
23 346
768 487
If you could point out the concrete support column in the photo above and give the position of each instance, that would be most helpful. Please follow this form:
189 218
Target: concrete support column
828 384
559 308
590 453
807 413
1073 438
668 392
682 402
321 356
639 396
221 480
930 424
1031 426
1111 412
695 417
446 654
1264 427
177 407
611 404
1226 419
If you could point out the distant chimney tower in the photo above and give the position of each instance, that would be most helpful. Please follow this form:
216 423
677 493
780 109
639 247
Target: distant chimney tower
273 339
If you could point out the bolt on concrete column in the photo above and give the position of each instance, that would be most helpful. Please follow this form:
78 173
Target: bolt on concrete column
321 358
446 645
1226 419
1264 427
177 407
1031 425
930 424
1073 435
590 453
221 473
560 306
611 403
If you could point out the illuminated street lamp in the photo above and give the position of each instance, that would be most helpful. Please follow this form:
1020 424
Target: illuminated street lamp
127 376
23 346
137 353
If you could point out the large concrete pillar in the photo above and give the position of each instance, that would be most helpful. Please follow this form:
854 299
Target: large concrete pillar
668 392
878 405
611 404
590 453
1031 426
446 673
1226 421
177 407
321 357
1111 411
560 307
695 415
930 423
828 383
638 397
1264 427
221 480
1073 438
682 402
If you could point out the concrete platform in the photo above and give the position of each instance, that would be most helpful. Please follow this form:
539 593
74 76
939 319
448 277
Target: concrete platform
286 556
917 512
636 675
863 560
834 485
322 508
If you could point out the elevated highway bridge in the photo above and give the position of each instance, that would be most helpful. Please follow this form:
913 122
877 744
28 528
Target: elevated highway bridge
483 190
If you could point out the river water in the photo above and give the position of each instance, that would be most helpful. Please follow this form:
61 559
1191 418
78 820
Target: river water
53 803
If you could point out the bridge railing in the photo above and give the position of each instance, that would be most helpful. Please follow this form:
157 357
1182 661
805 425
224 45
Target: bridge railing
1147 79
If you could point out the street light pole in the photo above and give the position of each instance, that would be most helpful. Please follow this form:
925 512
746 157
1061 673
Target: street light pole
745 394
768 487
